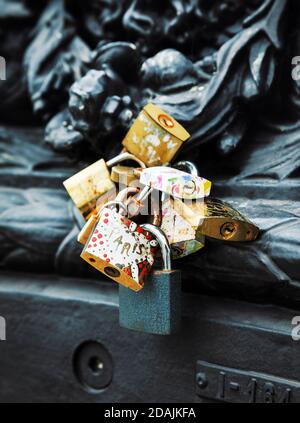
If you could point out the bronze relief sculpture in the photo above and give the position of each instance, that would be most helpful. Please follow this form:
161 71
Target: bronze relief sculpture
217 68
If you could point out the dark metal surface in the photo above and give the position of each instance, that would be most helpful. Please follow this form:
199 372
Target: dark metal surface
49 318
235 386
223 69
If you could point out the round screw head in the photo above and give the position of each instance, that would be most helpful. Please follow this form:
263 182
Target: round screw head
202 381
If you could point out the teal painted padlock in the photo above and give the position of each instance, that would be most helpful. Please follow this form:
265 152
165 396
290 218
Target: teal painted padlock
156 309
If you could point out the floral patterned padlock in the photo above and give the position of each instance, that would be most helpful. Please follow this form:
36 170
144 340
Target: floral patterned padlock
155 137
121 249
182 236
179 230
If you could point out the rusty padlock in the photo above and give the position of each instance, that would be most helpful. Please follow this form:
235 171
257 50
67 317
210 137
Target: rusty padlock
87 186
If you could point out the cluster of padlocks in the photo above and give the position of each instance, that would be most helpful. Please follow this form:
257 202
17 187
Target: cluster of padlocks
133 213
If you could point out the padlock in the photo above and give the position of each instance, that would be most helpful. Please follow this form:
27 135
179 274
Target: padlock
122 197
85 233
157 308
221 221
181 234
120 249
171 182
215 219
155 137
124 175
127 175
87 186
175 183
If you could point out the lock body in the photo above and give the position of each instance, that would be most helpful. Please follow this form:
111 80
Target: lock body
157 308
121 250
215 219
124 175
94 184
221 221
179 231
87 186
176 183
155 137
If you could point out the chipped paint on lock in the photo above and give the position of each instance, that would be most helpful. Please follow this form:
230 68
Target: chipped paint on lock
180 233
176 183
152 139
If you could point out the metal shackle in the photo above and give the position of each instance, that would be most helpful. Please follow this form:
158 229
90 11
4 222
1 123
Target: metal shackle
124 157
136 203
123 198
111 204
188 167
123 195
185 166
163 243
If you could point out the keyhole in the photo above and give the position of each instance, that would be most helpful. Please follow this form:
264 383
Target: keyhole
190 188
112 272
166 121
228 230
96 365
249 236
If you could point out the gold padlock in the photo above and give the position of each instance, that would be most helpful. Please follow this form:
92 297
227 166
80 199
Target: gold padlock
224 222
121 249
87 186
124 175
215 219
155 137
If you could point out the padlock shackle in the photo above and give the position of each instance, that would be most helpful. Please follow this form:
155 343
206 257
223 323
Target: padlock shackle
124 157
123 195
137 202
163 243
112 203
188 167
134 204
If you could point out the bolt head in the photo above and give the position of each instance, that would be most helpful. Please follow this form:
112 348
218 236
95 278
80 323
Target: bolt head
202 381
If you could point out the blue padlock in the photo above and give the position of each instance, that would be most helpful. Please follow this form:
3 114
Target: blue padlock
156 309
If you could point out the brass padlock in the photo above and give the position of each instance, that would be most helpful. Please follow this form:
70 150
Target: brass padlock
121 249
124 175
222 221
155 137
87 186
215 219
